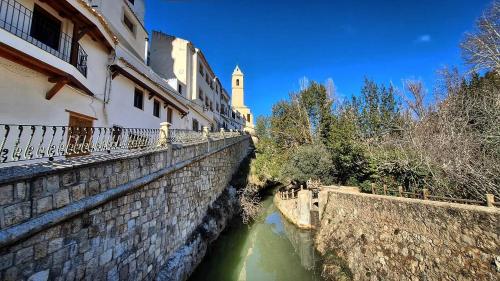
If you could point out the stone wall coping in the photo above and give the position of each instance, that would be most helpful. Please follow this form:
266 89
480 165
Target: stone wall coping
13 174
491 210
14 233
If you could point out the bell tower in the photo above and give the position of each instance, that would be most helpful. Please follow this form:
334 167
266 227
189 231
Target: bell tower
238 99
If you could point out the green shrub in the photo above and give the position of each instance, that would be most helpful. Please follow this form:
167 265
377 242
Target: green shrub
310 162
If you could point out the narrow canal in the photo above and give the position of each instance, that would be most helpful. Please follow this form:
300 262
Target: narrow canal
269 249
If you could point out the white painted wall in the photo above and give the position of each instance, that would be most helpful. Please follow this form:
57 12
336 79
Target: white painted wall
113 11
24 103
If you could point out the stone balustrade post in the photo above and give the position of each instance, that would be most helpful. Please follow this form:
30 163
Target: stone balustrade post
164 130
223 135
385 189
205 132
373 188
205 137
400 191
425 194
490 199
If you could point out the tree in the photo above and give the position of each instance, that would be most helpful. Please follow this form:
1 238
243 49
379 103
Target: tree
481 49
310 162
290 126
318 105
263 127
370 117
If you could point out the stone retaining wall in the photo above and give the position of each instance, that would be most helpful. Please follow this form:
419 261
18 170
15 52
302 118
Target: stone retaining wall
391 238
116 219
297 210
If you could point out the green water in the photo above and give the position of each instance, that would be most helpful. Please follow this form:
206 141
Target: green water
269 249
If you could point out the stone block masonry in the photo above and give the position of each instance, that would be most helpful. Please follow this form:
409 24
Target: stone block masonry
390 238
119 218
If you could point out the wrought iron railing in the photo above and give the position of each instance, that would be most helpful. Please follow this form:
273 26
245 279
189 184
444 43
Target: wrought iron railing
177 136
29 142
224 134
81 63
18 20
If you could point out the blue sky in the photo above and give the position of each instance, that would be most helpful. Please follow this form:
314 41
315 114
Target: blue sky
276 42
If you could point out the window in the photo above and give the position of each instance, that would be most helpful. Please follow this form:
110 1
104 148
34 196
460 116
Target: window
200 94
156 108
195 125
45 28
179 89
169 115
139 99
207 79
234 115
248 117
128 23
132 2
217 107
206 101
211 106
237 82
201 70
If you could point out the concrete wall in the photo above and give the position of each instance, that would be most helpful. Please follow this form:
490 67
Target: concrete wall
112 219
298 210
391 238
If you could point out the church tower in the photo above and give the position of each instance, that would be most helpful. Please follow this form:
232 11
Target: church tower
238 99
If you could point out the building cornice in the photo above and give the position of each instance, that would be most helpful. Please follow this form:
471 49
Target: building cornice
101 20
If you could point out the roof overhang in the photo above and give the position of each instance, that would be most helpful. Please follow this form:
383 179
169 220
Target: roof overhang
87 18
56 75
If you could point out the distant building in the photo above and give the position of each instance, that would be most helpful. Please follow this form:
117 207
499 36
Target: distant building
238 99
187 69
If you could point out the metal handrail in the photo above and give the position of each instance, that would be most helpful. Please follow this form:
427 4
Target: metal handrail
18 19
29 142
425 195
177 136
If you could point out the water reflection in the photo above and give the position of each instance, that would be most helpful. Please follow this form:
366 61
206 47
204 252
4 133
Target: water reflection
303 243
270 249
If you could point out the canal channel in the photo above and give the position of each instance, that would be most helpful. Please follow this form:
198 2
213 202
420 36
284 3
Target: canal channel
269 249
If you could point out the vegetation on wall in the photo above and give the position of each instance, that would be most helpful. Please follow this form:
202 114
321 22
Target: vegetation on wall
448 142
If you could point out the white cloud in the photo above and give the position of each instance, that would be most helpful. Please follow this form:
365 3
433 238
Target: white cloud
424 38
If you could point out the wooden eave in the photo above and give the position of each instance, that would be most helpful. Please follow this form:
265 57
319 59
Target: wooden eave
66 10
116 69
57 76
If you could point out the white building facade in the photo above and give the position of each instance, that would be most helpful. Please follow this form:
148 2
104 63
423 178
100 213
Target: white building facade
178 61
91 63
80 63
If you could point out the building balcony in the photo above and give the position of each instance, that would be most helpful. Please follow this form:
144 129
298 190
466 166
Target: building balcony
42 30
